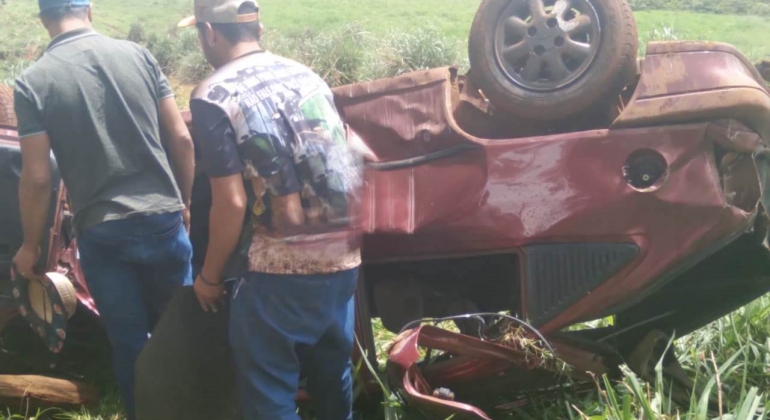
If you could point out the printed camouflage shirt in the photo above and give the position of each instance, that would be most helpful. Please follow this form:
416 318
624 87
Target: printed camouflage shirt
274 121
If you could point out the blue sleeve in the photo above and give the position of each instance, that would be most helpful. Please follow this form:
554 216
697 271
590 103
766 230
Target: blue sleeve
215 141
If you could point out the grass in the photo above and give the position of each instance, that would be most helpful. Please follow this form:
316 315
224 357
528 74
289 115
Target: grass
729 360
745 32
315 22
109 408
452 18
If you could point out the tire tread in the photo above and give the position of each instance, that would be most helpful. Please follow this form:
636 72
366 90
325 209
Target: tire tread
613 68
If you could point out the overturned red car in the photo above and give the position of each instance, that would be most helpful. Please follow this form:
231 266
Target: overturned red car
645 202
657 219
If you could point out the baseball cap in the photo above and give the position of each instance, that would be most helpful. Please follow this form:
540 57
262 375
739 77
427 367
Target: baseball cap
53 4
220 11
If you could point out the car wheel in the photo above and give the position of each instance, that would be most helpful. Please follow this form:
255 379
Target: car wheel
549 60
7 115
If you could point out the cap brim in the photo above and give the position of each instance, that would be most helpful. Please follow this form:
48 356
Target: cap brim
187 22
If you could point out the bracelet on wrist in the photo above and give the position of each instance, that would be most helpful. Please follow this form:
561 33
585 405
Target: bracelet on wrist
207 282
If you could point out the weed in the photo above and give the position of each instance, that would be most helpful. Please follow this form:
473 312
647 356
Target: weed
137 33
754 7
338 56
10 70
179 55
162 48
187 62
659 33
191 67
421 49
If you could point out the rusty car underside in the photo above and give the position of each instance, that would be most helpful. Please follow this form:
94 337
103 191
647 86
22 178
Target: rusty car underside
622 213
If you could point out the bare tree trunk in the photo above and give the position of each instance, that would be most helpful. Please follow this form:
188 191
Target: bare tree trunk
40 390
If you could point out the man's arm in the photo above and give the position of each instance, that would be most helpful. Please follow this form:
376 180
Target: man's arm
179 145
228 209
34 199
35 182
216 142
174 132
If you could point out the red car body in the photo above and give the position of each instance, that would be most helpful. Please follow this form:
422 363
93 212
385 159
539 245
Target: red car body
554 227
509 195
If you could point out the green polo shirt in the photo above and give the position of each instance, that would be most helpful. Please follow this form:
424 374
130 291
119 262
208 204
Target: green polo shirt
97 98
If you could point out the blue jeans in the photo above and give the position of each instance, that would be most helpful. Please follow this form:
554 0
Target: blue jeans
281 324
132 269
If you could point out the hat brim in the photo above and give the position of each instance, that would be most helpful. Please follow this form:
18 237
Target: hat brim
191 21
187 22
46 304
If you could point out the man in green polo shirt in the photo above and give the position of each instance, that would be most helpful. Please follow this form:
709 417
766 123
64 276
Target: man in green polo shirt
107 112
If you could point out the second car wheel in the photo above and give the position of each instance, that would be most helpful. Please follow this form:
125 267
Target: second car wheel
549 60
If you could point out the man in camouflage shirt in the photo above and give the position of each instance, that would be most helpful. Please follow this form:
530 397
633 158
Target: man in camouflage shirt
284 193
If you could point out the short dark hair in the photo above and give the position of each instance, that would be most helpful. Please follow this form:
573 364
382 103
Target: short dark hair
58 14
239 32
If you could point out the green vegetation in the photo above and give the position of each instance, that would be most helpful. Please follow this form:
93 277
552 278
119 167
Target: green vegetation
745 32
743 7
729 360
380 38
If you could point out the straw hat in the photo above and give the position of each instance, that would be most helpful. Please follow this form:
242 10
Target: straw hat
46 305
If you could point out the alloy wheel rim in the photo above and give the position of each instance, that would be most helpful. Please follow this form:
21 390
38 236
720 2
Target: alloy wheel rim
544 45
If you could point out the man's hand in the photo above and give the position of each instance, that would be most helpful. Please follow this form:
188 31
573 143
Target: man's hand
228 209
210 297
25 261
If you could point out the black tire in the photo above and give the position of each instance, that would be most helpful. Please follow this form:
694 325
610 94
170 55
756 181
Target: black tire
595 75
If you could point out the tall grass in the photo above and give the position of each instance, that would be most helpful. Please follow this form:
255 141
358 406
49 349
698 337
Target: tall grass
11 69
339 56
663 32
343 56
728 359
746 331
178 54
421 49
